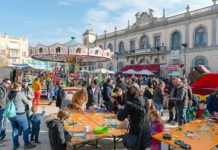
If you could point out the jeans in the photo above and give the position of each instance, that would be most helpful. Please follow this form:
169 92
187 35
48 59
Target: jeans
35 134
36 98
3 123
182 115
50 97
159 107
171 105
17 122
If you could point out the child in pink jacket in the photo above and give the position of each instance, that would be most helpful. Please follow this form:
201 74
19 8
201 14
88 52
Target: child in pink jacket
157 127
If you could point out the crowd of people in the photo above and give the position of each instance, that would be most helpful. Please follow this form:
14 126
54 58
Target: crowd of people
141 104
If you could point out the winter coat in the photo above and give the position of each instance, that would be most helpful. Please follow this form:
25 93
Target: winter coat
181 97
93 97
3 96
60 97
212 103
107 92
158 96
56 135
20 101
29 92
122 85
136 109
37 87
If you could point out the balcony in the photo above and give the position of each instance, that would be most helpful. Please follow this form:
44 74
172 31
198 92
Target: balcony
148 51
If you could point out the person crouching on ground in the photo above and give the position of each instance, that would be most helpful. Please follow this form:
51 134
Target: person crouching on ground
156 127
36 122
199 112
58 137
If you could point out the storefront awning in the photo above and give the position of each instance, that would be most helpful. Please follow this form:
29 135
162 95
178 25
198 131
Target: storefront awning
151 67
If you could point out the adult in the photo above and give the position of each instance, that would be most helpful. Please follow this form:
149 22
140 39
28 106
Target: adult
94 94
179 94
136 109
61 95
37 87
159 96
172 104
107 94
4 89
212 103
20 120
120 96
121 84
134 82
28 92
50 90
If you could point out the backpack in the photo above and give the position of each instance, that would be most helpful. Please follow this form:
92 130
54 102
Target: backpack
10 109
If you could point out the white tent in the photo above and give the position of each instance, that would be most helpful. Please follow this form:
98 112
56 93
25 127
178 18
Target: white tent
102 70
131 71
145 72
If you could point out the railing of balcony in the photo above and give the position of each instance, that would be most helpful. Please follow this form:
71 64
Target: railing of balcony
145 51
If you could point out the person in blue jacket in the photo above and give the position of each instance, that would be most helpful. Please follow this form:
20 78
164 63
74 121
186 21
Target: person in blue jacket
212 103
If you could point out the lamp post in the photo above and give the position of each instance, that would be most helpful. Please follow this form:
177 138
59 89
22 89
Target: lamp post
117 57
185 45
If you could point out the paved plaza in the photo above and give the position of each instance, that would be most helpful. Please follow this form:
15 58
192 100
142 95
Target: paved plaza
104 144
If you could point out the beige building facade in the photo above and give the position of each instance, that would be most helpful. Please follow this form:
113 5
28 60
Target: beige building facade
13 50
190 38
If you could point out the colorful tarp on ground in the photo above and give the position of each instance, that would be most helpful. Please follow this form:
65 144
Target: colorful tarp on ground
205 85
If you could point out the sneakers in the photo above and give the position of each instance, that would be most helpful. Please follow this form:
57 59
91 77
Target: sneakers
38 142
16 147
2 144
29 146
168 121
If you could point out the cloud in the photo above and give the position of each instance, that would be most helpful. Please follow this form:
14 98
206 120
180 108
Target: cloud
111 13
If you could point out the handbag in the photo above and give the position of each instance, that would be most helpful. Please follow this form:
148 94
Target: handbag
131 141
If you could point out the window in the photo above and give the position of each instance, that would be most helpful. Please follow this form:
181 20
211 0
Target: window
156 41
121 49
132 45
24 54
144 43
3 53
175 45
199 61
200 36
110 46
101 46
156 60
132 62
14 53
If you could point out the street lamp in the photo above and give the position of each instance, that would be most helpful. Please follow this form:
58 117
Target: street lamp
117 57
185 45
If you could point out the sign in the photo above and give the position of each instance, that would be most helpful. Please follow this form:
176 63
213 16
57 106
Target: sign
174 54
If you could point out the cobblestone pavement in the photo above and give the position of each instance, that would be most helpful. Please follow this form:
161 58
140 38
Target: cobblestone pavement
104 144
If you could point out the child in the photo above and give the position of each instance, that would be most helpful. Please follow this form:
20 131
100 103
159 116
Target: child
199 112
157 127
35 120
58 137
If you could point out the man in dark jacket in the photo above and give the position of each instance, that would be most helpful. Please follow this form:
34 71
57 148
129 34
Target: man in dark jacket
121 84
107 94
179 94
57 135
4 89
212 103
94 94
135 109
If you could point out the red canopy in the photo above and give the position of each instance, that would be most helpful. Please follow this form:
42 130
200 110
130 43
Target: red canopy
206 84
151 67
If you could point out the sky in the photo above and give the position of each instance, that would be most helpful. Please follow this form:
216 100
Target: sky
51 21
